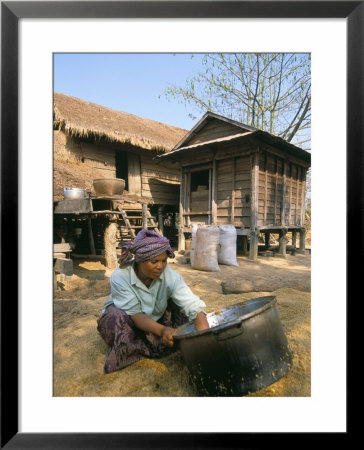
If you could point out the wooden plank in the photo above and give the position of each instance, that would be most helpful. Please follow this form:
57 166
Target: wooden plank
255 181
199 195
210 197
281 154
197 213
225 195
64 247
203 156
91 237
265 186
297 196
163 184
290 193
199 205
188 199
275 193
225 212
147 163
241 193
213 193
198 168
240 185
98 153
226 186
303 210
214 130
181 238
232 208
134 175
161 172
225 203
155 195
224 165
144 216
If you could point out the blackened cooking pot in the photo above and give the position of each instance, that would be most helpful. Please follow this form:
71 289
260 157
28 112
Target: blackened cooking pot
244 350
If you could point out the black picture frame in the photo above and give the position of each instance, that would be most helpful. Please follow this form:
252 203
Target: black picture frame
11 12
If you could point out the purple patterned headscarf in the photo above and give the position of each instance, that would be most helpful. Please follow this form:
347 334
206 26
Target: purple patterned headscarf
147 245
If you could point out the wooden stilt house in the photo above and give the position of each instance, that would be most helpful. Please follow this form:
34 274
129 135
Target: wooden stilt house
235 174
94 142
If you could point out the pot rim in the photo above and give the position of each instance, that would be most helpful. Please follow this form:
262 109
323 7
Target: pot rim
108 179
73 189
236 322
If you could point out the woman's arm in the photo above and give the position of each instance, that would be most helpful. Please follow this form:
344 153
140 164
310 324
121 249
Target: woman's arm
145 323
201 322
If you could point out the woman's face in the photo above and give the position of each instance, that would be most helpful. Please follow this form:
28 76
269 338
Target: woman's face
154 267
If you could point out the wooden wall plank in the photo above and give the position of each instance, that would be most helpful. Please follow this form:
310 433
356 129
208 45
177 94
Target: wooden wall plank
214 129
134 174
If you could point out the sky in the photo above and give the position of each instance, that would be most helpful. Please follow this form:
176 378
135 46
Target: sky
133 83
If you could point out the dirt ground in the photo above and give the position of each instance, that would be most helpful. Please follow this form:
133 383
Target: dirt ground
79 351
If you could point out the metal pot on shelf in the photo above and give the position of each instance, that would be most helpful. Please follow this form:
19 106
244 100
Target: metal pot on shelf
73 193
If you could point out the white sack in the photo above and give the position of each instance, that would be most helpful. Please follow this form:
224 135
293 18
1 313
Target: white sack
227 248
206 249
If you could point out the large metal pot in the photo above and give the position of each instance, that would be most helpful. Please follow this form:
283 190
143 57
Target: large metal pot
109 186
244 350
73 193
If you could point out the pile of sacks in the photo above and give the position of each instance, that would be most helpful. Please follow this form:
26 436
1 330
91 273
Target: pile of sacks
212 245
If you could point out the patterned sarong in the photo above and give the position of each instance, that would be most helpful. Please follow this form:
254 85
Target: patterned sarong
127 343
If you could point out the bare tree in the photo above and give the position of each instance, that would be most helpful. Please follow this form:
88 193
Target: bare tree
270 91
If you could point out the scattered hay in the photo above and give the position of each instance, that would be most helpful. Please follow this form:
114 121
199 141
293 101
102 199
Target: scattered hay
79 351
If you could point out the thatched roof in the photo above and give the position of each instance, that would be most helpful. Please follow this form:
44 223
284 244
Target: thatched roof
80 118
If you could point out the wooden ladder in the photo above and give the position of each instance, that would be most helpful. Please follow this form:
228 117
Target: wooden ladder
133 220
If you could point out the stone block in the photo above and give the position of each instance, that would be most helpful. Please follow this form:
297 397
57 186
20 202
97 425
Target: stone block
64 266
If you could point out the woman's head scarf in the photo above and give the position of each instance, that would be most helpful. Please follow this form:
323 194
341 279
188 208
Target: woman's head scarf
147 245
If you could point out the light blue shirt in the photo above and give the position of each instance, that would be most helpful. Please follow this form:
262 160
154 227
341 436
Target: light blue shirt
131 295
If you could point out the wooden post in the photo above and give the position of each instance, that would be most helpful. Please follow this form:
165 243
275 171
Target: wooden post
275 193
265 188
181 236
160 219
282 242
213 194
232 211
187 198
284 193
294 239
297 194
209 205
303 206
55 284
134 176
302 248
91 237
110 243
266 240
245 245
290 195
253 249
144 216
255 188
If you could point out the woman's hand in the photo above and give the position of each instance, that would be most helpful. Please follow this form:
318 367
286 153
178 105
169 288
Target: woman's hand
167 336
201 322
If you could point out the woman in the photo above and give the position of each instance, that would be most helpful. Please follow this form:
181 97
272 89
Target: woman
148 300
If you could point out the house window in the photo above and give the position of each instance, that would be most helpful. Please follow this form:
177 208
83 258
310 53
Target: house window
121 166
199 196
199 180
